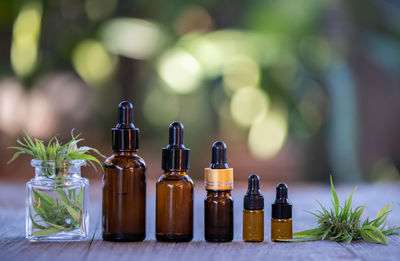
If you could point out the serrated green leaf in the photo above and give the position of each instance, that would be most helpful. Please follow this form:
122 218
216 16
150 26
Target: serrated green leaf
372 233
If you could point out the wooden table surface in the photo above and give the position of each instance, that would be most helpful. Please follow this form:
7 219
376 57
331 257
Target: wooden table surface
14 246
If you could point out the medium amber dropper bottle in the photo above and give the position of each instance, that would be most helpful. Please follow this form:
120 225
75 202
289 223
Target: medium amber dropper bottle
281 222
174 191
218 205
253 212
124 183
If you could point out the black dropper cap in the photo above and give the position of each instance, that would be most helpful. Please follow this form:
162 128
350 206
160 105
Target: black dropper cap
253 200
175 157
125 137
281 209
218 159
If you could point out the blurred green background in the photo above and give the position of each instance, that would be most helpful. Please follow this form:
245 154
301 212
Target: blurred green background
298 89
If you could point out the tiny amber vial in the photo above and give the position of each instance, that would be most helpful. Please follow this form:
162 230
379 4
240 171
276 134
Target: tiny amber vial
281 221
253 225
281 229
253 212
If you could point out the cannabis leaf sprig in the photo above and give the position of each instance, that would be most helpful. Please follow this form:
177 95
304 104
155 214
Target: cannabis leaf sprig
344 223
63 213
56 151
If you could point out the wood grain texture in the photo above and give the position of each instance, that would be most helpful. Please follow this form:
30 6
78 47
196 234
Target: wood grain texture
14 246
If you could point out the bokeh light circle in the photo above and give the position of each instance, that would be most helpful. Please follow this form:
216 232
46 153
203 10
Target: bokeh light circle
180 71
248 104
267 135
93 63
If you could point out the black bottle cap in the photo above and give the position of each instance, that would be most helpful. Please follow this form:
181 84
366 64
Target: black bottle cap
218 160
125 137
175 157
281 209
253 200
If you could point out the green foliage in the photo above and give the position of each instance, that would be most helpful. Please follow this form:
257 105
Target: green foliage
56 216
56 151
62 213
344 223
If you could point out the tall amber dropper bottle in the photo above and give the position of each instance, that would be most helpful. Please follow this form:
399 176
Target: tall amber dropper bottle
174 191
218 205
281 222
253 212
124 183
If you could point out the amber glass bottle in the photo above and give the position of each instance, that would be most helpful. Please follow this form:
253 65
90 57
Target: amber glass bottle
174 191
124 183
253 212
281 222
218 205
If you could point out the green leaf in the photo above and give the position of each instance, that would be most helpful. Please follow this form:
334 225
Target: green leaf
322 207
383 211
335 197
326 233
359 213
378 222
348 238
306 233
347 206
305 239
45 199
61 228
15 156
87 157
372 234
67 204
391 231
46 232
28 140
80 195
34 224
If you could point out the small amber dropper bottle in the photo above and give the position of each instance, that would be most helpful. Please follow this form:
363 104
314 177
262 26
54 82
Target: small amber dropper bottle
218 205
174 191
124 183
253 212
281 222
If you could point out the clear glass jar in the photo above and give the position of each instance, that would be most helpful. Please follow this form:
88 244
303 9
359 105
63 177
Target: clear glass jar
57 202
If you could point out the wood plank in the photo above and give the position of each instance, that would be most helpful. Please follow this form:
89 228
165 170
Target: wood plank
13 245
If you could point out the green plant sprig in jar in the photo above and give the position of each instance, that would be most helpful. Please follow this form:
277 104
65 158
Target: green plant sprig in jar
56 208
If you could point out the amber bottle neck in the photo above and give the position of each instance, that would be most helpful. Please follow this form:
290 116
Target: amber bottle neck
219 193
176 173
125 153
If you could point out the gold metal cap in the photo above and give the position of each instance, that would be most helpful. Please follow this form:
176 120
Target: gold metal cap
218 179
